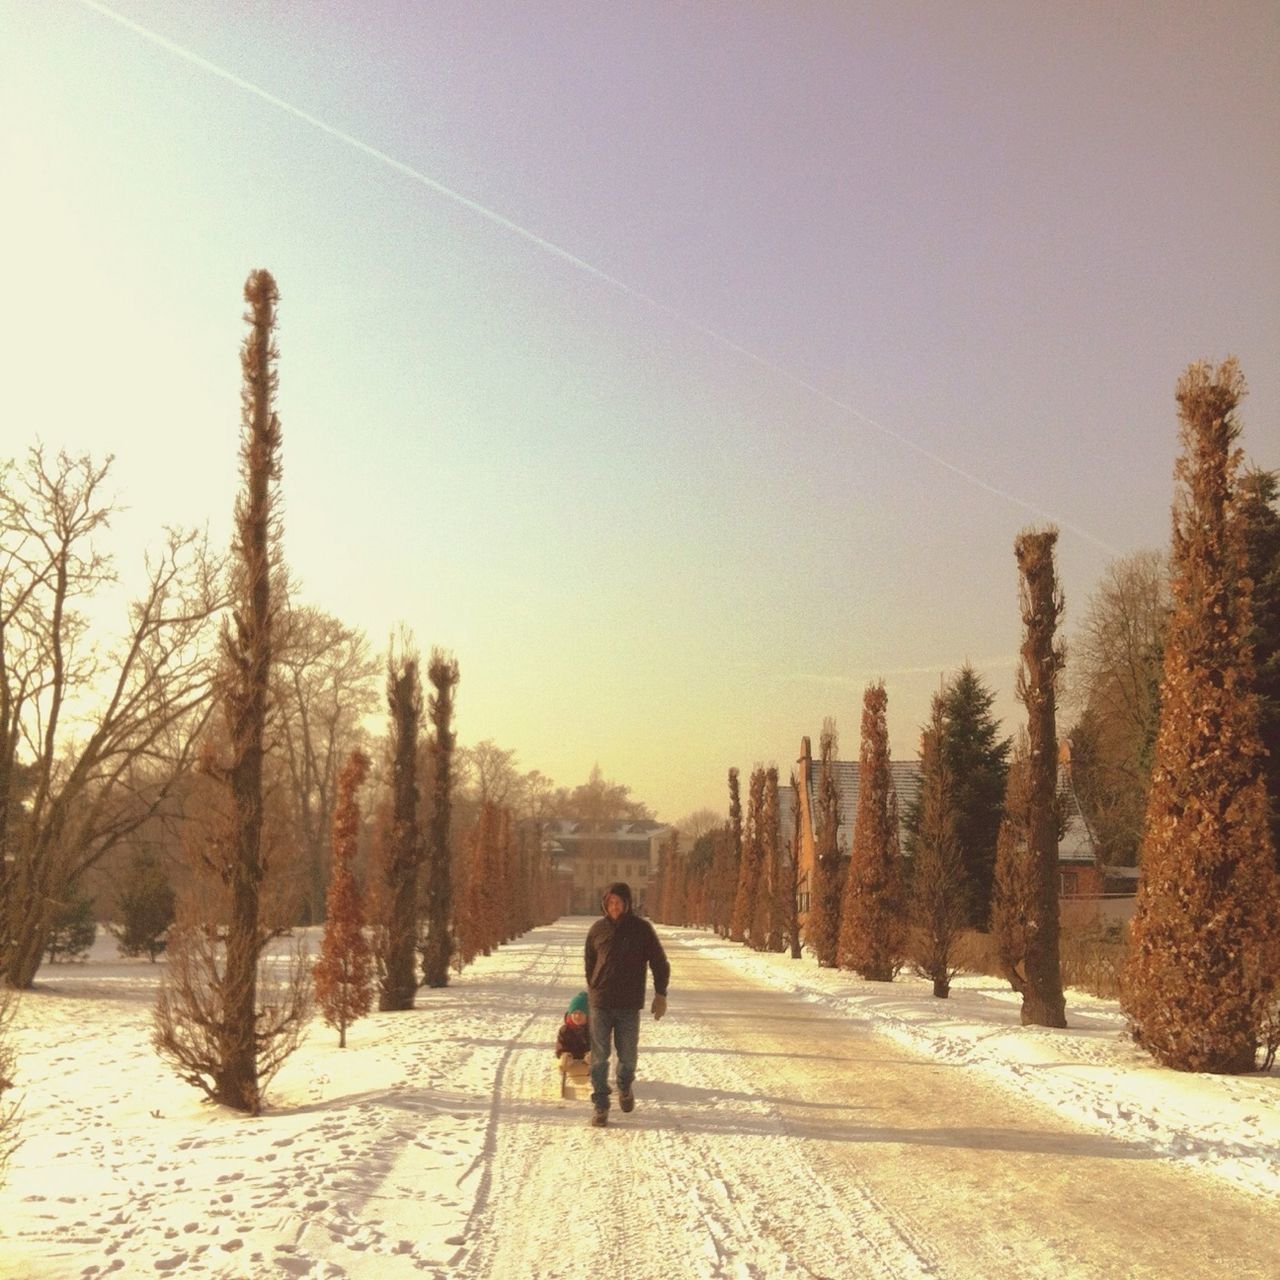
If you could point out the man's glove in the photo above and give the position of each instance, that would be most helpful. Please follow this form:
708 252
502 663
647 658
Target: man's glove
659 1006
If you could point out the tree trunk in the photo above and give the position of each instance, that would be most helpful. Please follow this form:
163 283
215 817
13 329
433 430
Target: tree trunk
1043 1004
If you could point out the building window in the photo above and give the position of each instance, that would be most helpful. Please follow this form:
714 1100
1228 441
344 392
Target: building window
1070 884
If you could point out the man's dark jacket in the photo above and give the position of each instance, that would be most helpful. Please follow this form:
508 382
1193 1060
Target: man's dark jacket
617 952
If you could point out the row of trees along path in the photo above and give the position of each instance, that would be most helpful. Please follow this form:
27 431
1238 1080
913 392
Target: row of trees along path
1200 979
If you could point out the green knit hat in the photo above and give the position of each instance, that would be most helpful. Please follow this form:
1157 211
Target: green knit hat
578 1004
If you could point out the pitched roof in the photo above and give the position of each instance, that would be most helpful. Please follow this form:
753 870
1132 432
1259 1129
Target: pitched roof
1076 844
904 774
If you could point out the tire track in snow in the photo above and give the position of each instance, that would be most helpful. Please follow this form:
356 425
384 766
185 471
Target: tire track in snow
798 1218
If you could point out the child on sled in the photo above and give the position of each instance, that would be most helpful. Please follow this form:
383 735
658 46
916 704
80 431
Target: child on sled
573 1040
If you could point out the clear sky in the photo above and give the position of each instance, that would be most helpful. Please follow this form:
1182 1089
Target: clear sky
681 366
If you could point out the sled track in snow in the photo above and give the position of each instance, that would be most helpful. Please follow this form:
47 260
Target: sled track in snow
686 1186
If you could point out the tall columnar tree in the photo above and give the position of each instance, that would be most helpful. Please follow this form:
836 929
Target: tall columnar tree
744 903
938 905
730 860
1259 504
766 932
977 760
822 927
1043 1004
479 929
790 911
778 890
209 1020
402 853
437 946
720 876
344 972
1014 896
872 928
1204 957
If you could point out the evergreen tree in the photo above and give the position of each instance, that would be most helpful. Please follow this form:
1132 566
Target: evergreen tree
938 901
822 928
343 973
1205 942
73 930
146 906
872 937
1043 1004
977 762
437 945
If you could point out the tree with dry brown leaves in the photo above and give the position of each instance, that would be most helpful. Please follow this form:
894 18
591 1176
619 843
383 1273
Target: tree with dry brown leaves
1204 955
1014 894
872 925
344 972
210 1021
822 925
744 902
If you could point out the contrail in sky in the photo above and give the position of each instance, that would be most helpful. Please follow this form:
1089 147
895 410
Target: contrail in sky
573 260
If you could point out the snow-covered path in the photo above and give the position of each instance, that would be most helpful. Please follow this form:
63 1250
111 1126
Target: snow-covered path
775 1135
773 1138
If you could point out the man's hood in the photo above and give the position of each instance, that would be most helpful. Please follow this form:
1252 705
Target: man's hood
621 889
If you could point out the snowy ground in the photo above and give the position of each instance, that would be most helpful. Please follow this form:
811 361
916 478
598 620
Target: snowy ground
436 1143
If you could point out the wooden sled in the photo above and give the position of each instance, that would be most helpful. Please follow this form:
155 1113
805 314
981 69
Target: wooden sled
575 1081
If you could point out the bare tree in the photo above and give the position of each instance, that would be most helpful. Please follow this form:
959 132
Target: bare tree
1204 958
491 771
1043 1004
324 684
437 945
94 736
9 1114
1115 685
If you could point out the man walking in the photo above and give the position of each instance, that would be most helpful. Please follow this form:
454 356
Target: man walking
619 946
